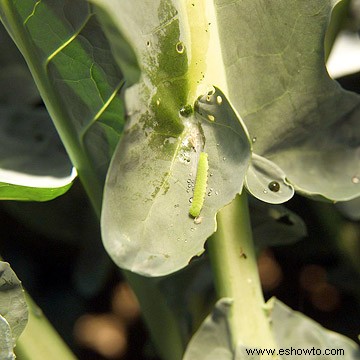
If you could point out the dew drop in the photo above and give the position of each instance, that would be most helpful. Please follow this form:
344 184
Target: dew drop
265 191
190 200
254 139
211 174
274 186
224 158
355 179
158 102
208 98
192 229
211 117
148 43
217 144
180 47
216 192
219 100
198 220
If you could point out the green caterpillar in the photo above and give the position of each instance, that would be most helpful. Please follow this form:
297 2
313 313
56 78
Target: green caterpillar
200 185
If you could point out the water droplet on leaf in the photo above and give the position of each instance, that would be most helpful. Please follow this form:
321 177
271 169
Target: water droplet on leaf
274 186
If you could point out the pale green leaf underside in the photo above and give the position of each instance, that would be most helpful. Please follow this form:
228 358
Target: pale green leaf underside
6 341
301 119
291 329
260 177
13 310
146 224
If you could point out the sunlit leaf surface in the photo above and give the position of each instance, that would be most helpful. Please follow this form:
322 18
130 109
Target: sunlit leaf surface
77 77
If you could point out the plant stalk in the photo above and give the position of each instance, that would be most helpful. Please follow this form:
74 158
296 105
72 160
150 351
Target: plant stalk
236 275
40 341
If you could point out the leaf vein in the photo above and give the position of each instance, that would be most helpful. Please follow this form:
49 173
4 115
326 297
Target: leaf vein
32 13
101 110
69 41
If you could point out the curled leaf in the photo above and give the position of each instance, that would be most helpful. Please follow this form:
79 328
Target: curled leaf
267 182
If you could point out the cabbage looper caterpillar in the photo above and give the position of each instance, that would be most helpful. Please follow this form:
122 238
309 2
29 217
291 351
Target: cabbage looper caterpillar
200 185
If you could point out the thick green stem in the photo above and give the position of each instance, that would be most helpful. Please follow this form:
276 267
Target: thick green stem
236 275
157 314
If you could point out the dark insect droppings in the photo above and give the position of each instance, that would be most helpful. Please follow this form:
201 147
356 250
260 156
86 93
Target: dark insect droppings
274 186
186 110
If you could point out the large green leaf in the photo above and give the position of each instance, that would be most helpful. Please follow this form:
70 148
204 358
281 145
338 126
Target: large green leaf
77 77
146 225
302 124
33 163
298 117
13 310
